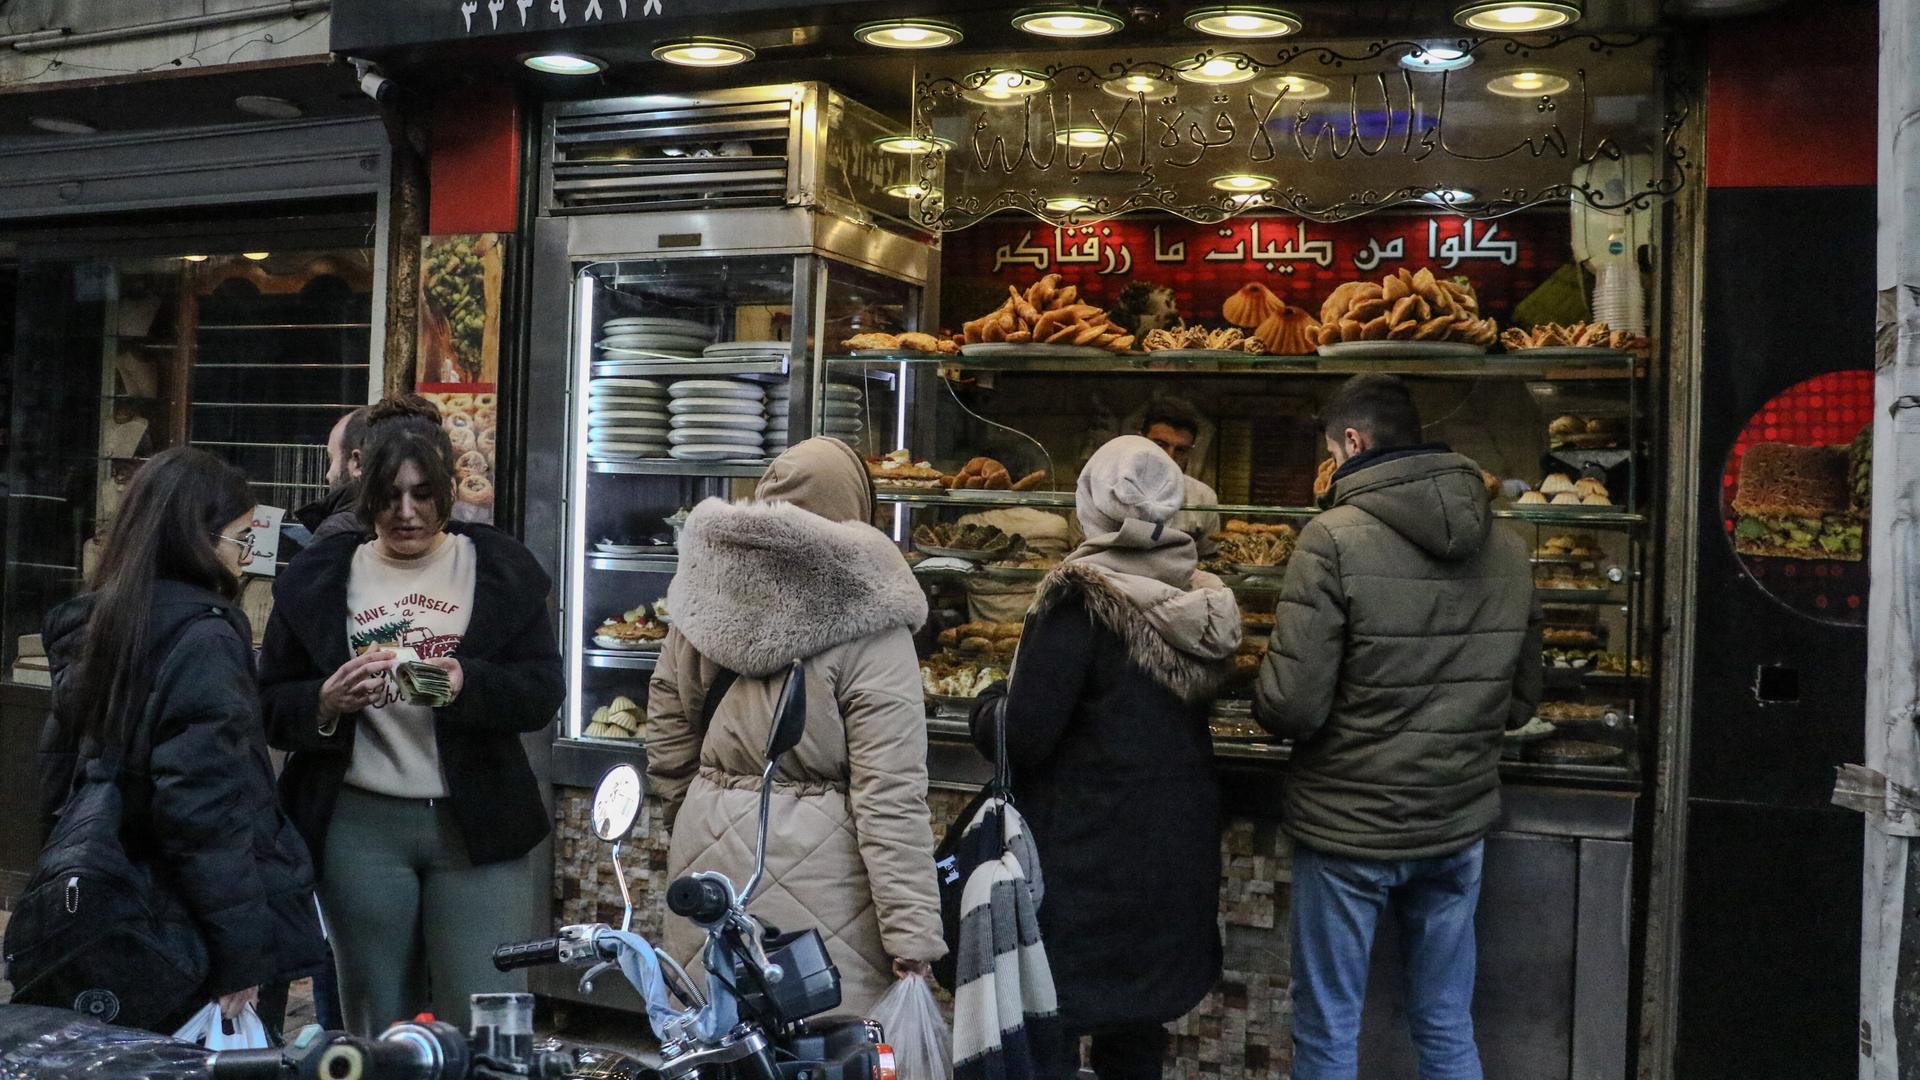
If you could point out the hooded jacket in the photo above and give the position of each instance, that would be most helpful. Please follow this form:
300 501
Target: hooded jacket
201 806
1406 640
1110 752
514 684
799 574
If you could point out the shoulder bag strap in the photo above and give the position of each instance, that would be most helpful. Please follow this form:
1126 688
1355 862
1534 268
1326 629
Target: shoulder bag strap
710 705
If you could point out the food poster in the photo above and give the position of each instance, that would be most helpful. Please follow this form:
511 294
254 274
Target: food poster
1795 496
1151 272
459 356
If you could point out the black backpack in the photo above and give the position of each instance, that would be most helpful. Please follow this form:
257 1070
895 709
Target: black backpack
98 931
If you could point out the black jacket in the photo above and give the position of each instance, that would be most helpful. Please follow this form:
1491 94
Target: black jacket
201 806
514 684
333 513
1114 775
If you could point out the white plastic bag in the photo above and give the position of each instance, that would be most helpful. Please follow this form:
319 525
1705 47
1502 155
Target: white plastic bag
910 1019
211 1030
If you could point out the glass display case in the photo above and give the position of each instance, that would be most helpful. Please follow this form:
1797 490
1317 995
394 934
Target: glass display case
688 375
1038 416
251 355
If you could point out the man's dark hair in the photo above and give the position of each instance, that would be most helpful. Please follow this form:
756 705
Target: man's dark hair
1379 407
354 435
1176 419
396 438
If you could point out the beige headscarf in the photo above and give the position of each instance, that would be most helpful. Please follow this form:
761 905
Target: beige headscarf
821 476
1126 495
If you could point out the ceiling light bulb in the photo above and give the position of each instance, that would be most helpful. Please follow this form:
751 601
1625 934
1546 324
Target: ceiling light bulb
703 52
559 63
1068 204
908 34
1086 138
1529 84
1068 22
912 144
1298 87
1242 183
1129 85
908 191
1243 21
1219 71
1508 17
1436 58
1006 87
256 256
193 258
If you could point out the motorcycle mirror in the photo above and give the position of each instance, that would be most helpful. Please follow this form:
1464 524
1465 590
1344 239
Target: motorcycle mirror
790 716
616 802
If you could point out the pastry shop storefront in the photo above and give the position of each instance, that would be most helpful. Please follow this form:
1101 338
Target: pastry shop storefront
975 246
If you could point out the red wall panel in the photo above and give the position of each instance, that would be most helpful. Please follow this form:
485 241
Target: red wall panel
1791 97
473 161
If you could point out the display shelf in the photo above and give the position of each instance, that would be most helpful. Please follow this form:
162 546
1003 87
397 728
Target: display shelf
748 470
1577 597
288 326
628 661
987 500
637 564
1559 678
1493 365
633 369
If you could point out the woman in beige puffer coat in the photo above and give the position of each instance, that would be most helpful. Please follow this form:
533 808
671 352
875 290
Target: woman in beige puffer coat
798 573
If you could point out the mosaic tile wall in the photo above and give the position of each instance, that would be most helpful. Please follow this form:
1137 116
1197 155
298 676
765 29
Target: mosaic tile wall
1240 1030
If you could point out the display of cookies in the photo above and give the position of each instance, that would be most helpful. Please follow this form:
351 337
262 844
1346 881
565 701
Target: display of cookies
1047 313
618 719
1182 336
912 341
1250 543
1580 335
977 540
1586 433
1561 489
950 675
1405 306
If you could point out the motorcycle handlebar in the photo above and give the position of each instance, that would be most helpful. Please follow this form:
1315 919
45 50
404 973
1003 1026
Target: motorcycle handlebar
527 954
248 1065
703 901
368 1059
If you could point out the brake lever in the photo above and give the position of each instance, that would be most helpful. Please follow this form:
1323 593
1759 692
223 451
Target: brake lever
594 972
749 927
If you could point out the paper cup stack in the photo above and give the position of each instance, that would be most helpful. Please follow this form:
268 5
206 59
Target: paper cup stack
841 418
717 420
627 419
652 338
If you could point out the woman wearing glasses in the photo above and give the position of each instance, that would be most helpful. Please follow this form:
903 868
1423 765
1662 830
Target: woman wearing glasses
156 662
420 809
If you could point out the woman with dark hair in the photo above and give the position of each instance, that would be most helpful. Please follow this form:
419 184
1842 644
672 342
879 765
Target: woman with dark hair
420 813
158 655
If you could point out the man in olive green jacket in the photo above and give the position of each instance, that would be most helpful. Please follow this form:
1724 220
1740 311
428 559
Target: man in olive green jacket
1407 640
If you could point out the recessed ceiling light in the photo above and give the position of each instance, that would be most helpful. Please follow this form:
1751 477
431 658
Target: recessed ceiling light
1068 22
193 258
1436 58
1087 138
1297 87
703 52
561 63
909 191
1218 71
1243 21
60 125
1127 86
1068 204
1447 197
908 34
256 256
1508 17
1526 84
273 108
912 144
1005 87
1242 183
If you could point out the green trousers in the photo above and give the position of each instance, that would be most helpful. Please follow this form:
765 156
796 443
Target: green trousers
414 923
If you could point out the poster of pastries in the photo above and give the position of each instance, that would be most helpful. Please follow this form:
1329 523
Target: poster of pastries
460 291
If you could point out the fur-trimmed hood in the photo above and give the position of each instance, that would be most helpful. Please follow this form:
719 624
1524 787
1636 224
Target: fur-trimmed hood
1182 639
761 584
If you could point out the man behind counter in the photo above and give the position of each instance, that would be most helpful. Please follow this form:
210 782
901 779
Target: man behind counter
1175 432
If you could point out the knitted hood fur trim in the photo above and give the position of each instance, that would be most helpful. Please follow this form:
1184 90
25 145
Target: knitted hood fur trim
762 584
1189 676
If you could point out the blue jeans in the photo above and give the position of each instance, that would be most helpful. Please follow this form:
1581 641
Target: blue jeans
1336 904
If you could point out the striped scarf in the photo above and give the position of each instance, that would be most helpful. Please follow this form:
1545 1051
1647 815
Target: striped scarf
1006 1017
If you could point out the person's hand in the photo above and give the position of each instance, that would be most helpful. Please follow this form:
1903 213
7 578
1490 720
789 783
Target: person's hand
902 967
456 678
357 684
232 1004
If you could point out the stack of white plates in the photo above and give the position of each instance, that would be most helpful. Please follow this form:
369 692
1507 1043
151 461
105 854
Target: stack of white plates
627 419
748 350
646 337
717 420
841 419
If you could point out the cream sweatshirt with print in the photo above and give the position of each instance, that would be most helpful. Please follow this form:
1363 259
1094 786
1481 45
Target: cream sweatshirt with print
421 604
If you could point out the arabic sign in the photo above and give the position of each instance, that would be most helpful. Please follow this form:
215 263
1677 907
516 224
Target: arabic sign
1314 131
1197 266
360 25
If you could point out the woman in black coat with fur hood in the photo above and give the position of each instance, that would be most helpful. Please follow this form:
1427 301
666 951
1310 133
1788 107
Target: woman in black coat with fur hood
1112 762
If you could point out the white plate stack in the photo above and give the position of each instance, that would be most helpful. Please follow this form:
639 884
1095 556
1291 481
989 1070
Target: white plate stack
841 420
717 420
627 419
648 337
743 351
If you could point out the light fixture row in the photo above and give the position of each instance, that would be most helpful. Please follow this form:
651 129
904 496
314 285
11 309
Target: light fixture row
1242 22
